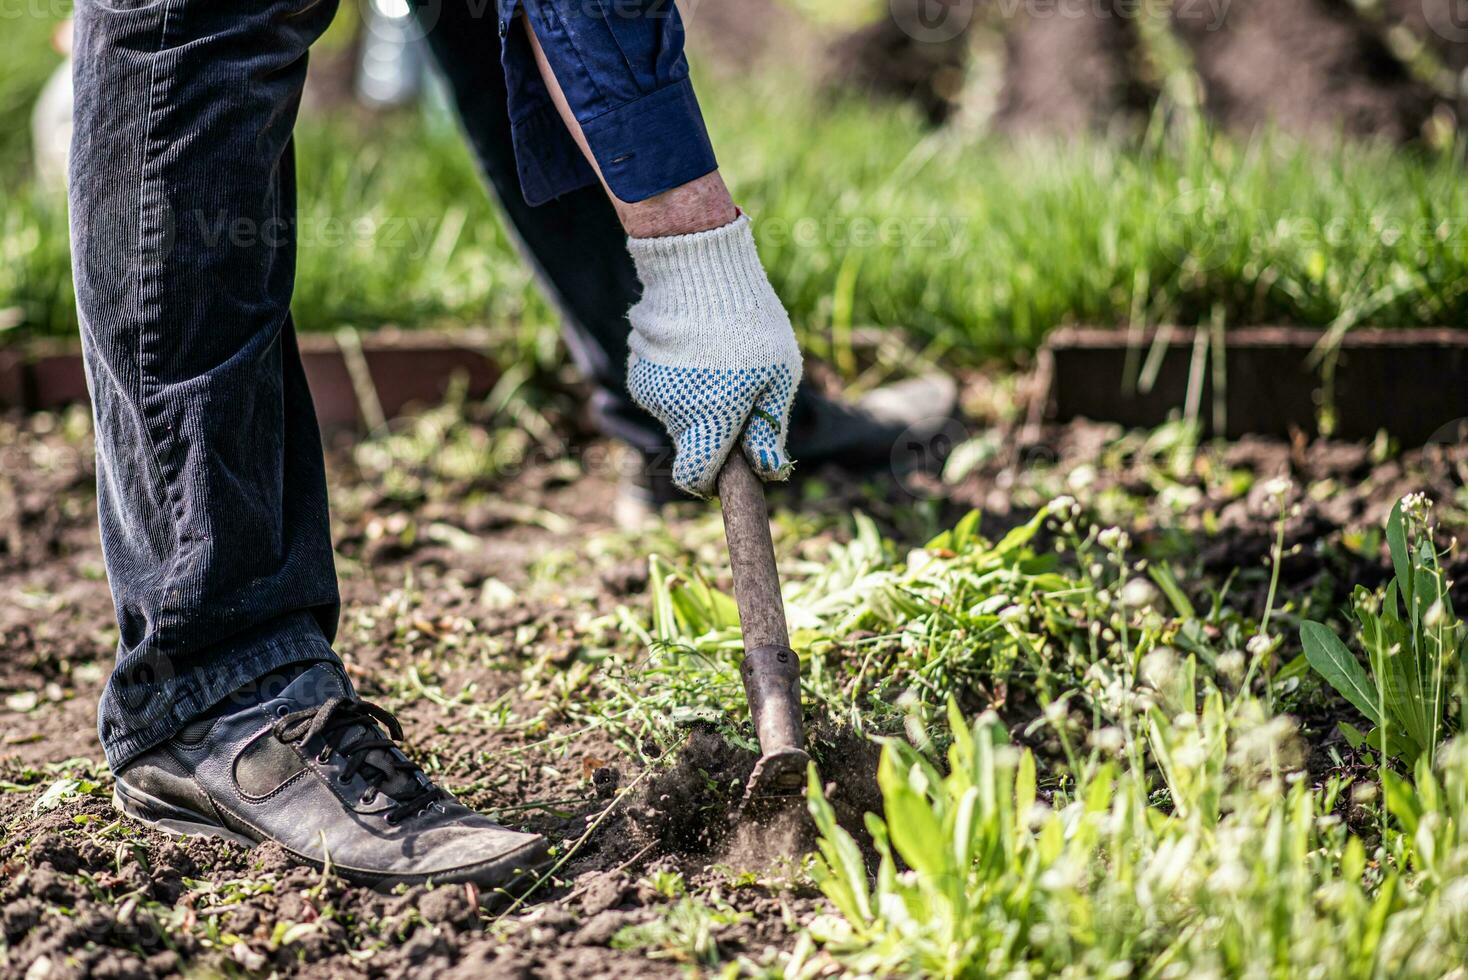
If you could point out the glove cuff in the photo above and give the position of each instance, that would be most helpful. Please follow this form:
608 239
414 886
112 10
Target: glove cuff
702 281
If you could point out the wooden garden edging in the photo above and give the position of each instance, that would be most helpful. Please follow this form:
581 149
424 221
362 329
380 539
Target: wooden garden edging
1413 383
355 379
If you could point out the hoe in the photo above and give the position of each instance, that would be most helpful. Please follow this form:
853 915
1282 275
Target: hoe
771 670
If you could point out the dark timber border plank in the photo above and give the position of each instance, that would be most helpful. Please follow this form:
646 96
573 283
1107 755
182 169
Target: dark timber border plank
406 368
1413 383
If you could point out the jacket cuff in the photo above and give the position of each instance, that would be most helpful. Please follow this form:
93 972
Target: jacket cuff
652 145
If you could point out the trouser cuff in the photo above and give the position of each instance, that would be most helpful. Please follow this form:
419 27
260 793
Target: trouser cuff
134 718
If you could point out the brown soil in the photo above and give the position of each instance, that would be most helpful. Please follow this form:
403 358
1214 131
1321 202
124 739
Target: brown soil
94 896
884 59
66 897
738 36
1070 69
1308 66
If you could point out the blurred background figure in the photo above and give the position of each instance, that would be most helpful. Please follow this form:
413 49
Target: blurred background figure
51 119
392 66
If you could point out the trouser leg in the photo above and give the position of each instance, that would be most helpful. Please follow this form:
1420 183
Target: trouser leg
211 489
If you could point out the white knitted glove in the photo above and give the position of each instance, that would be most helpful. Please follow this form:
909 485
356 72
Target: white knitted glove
713 354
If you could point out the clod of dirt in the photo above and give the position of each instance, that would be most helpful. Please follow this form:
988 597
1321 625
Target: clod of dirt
603 890
18 917
449 906
600 928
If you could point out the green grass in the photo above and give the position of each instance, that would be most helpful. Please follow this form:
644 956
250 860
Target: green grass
866 218
1157 819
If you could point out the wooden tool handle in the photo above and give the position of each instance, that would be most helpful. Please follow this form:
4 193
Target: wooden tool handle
770 670
752 555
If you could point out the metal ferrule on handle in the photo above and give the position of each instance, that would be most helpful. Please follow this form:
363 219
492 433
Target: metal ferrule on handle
771 678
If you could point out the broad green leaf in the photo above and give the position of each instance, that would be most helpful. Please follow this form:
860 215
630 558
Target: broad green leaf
1353 861
917 833
1330 658
845 880
965 532
964 830
1396 539
1024 787
1020 536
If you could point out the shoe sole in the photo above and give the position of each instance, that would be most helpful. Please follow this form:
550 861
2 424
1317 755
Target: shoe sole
170 819
181 822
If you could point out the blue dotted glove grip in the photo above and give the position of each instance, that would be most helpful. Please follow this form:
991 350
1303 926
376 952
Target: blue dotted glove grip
704 410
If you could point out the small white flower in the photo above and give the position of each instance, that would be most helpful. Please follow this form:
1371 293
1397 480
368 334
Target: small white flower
1277 488
1417 506
1159 667
1231 665
1229 879
1138 593
1109 740
1013 614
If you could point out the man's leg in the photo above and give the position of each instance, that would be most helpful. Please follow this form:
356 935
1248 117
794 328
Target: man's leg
211 491
228 714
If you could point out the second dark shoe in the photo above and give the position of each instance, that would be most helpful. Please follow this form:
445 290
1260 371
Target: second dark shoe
314 771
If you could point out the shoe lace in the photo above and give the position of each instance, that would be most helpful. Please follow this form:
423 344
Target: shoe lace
333 719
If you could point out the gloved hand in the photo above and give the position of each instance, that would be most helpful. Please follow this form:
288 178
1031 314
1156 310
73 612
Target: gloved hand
713 353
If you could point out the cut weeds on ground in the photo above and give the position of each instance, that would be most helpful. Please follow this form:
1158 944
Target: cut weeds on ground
1084 748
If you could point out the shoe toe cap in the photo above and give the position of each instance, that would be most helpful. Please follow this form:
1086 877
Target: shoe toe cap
465 846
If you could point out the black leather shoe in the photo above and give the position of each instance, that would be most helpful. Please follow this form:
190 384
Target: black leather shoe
854 435
313 771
